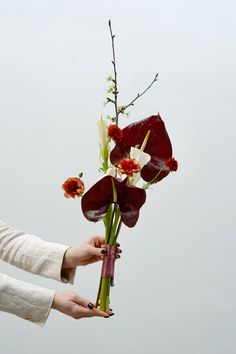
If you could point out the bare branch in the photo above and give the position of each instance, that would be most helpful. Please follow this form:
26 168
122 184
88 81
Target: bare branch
115 72
110 100
121 109
140 94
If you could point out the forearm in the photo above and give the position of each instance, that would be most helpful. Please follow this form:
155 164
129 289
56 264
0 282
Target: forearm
32 254
30 302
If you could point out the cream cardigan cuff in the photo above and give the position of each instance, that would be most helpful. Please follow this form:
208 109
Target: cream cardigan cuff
30 302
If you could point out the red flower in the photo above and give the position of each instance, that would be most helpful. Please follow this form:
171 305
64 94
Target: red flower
115 133
158 146
128 167
97 199
172 163
73 187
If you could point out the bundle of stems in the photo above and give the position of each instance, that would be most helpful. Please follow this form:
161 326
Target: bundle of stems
112 222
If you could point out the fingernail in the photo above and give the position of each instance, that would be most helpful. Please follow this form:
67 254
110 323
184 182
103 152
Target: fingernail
106 316
120 251
103 251
90 306
112 314
118 244
118 256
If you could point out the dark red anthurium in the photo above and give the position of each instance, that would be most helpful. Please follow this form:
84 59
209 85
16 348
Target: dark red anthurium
158 146
97 199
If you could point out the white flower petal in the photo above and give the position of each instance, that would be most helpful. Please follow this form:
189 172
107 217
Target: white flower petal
111 171
142 157
134 180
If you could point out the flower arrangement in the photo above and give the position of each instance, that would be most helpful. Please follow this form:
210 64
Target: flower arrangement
140 152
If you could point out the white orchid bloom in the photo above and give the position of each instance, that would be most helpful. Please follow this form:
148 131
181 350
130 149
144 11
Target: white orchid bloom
142 158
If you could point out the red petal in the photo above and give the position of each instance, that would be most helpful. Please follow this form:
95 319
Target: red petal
130 200
97 199
158 146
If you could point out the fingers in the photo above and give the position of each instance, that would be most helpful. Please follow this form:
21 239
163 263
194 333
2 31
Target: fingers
75 306
97 241
84 308
118 250
101 252
81 312
83 302
98 251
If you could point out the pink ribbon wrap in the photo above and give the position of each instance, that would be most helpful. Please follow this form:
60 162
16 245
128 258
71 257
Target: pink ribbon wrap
109 258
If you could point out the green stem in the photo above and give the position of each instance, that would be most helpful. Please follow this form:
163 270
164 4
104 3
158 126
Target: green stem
109 226
117 231
148 184
114 224
105 292
108 222
99 292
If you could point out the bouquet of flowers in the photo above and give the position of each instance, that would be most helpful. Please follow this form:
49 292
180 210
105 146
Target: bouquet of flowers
141 152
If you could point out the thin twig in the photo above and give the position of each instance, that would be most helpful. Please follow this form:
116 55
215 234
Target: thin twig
115 73
140 94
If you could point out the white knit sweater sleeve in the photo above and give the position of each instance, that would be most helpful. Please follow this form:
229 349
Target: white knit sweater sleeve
33 255
30 302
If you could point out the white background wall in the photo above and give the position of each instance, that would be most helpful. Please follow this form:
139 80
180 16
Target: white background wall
175 283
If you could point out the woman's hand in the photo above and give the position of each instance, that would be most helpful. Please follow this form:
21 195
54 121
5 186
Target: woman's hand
77 307
88 252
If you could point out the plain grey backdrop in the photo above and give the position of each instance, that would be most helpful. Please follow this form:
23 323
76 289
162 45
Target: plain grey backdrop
175 283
